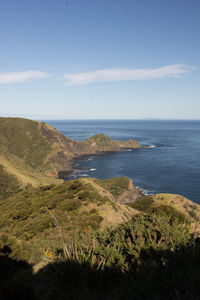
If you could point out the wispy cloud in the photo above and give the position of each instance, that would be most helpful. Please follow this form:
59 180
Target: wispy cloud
20 77
117 74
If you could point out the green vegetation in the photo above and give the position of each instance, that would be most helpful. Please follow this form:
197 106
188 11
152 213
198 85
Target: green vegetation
25 155
22 138
149 257
147 204
35 215
8 184
116 186
142 204
42 216
70 232
31 208
101 140
35 153
171 212
122 247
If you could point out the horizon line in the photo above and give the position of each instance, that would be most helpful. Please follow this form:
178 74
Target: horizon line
98 119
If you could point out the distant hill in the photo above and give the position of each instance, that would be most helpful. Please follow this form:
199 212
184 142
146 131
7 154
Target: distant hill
35 153
105 143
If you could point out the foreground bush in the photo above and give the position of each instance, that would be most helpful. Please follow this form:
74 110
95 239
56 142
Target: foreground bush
153 256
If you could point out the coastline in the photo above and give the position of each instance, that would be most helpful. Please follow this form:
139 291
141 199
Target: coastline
74 173
78 158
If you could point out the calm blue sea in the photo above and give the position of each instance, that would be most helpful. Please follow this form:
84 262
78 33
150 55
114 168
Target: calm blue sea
172 165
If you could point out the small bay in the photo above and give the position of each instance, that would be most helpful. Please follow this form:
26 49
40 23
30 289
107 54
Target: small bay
170 165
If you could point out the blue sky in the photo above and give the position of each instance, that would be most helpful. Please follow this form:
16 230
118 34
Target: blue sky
100 59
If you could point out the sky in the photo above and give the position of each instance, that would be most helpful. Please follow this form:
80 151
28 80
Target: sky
100 59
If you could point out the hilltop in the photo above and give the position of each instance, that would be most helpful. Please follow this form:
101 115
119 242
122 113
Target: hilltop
35 153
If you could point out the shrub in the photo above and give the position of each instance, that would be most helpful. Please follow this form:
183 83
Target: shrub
142 204
171 212
116 186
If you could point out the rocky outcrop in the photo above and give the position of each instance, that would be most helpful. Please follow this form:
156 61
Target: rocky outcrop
131 194
102 142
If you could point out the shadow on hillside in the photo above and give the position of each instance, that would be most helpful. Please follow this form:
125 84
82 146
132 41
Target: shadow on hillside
157 275
13 275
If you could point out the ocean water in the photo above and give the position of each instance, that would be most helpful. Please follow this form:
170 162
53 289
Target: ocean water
171 165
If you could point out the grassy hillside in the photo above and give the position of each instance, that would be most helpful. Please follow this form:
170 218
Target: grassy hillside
35 153
8 184
21 138
173 205
77 239
38 218
34 217
151 253
24 155
116 186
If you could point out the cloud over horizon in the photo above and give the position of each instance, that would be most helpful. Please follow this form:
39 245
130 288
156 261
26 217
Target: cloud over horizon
106 75
21 77
119 74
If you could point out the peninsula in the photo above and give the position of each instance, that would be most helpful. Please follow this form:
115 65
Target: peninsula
35 153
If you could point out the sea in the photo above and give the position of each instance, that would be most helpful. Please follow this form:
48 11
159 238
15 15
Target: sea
171 163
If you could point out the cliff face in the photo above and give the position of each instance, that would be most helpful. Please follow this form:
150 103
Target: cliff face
35 153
